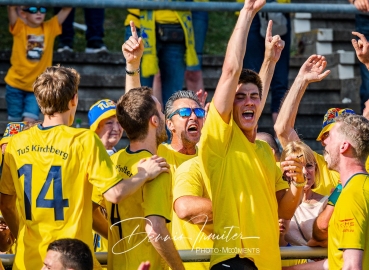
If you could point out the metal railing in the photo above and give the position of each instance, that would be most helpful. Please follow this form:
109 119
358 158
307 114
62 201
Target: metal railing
183 5
195 256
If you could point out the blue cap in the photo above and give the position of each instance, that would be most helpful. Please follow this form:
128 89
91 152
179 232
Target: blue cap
101 110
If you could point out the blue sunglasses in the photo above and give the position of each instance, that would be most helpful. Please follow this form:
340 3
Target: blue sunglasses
34 10
186 112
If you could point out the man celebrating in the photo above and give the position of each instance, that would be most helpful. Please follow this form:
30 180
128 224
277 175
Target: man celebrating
248 193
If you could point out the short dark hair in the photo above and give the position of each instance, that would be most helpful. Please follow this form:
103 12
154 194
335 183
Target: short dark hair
249 76
54 88
74 253
134 110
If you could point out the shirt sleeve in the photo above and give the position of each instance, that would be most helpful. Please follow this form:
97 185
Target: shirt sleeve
188 180
280 184
52 27
101 171
352 219
17 28
216 134
7 181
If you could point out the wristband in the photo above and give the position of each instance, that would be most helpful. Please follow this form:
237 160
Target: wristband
302 184
133 73
332 199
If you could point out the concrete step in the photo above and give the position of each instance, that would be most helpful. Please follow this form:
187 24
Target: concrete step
303 22
324 41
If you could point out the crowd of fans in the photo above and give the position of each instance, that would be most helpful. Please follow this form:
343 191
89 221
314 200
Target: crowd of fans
216 186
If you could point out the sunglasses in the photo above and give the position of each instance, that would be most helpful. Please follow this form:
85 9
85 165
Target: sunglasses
186 112
34 10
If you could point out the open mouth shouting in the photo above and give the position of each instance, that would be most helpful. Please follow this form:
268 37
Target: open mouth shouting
248 114
193 129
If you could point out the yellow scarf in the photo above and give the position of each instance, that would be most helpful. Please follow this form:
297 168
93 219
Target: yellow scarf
149 60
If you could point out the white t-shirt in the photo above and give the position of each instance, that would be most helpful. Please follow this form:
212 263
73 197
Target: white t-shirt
305 215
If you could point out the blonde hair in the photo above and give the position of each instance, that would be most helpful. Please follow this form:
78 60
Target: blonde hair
299 148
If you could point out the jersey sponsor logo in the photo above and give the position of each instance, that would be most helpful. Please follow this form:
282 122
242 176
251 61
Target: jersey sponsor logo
123 170
347 225
41 149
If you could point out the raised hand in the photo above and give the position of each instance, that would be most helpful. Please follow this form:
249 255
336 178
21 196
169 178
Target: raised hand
152 166
273 44
362 5
361 47
254 5
133 48
313 69
202 95
292 168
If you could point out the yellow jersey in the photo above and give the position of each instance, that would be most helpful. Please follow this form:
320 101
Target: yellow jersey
51 172
327 179
173 158
367 165
244 179
32 52
128 241
189 181
348 226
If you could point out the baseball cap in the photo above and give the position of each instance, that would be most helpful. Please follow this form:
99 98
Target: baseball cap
12 128
99 111
330 119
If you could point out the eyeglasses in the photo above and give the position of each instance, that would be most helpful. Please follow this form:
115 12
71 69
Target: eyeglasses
186 112
310 166
34 10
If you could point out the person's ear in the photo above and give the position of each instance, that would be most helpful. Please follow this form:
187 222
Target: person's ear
154 120
74 100
345 146
170 125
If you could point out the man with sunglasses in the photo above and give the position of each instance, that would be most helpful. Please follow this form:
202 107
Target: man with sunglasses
32 52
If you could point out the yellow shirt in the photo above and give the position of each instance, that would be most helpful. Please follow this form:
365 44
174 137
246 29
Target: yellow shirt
367 165
51 173
327 179
128 241
244 179
189 181
173 158
348 226
31 42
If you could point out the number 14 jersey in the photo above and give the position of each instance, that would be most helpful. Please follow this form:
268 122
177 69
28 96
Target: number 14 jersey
51 171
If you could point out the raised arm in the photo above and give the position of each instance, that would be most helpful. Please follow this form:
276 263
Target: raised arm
273 49
361 47
12 15
310 71
132 51
362 5
63 14
232 66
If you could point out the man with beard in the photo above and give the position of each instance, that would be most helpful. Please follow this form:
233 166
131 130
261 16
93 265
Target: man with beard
346 150
137 224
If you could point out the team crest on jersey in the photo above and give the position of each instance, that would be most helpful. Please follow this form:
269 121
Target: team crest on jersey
13 128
